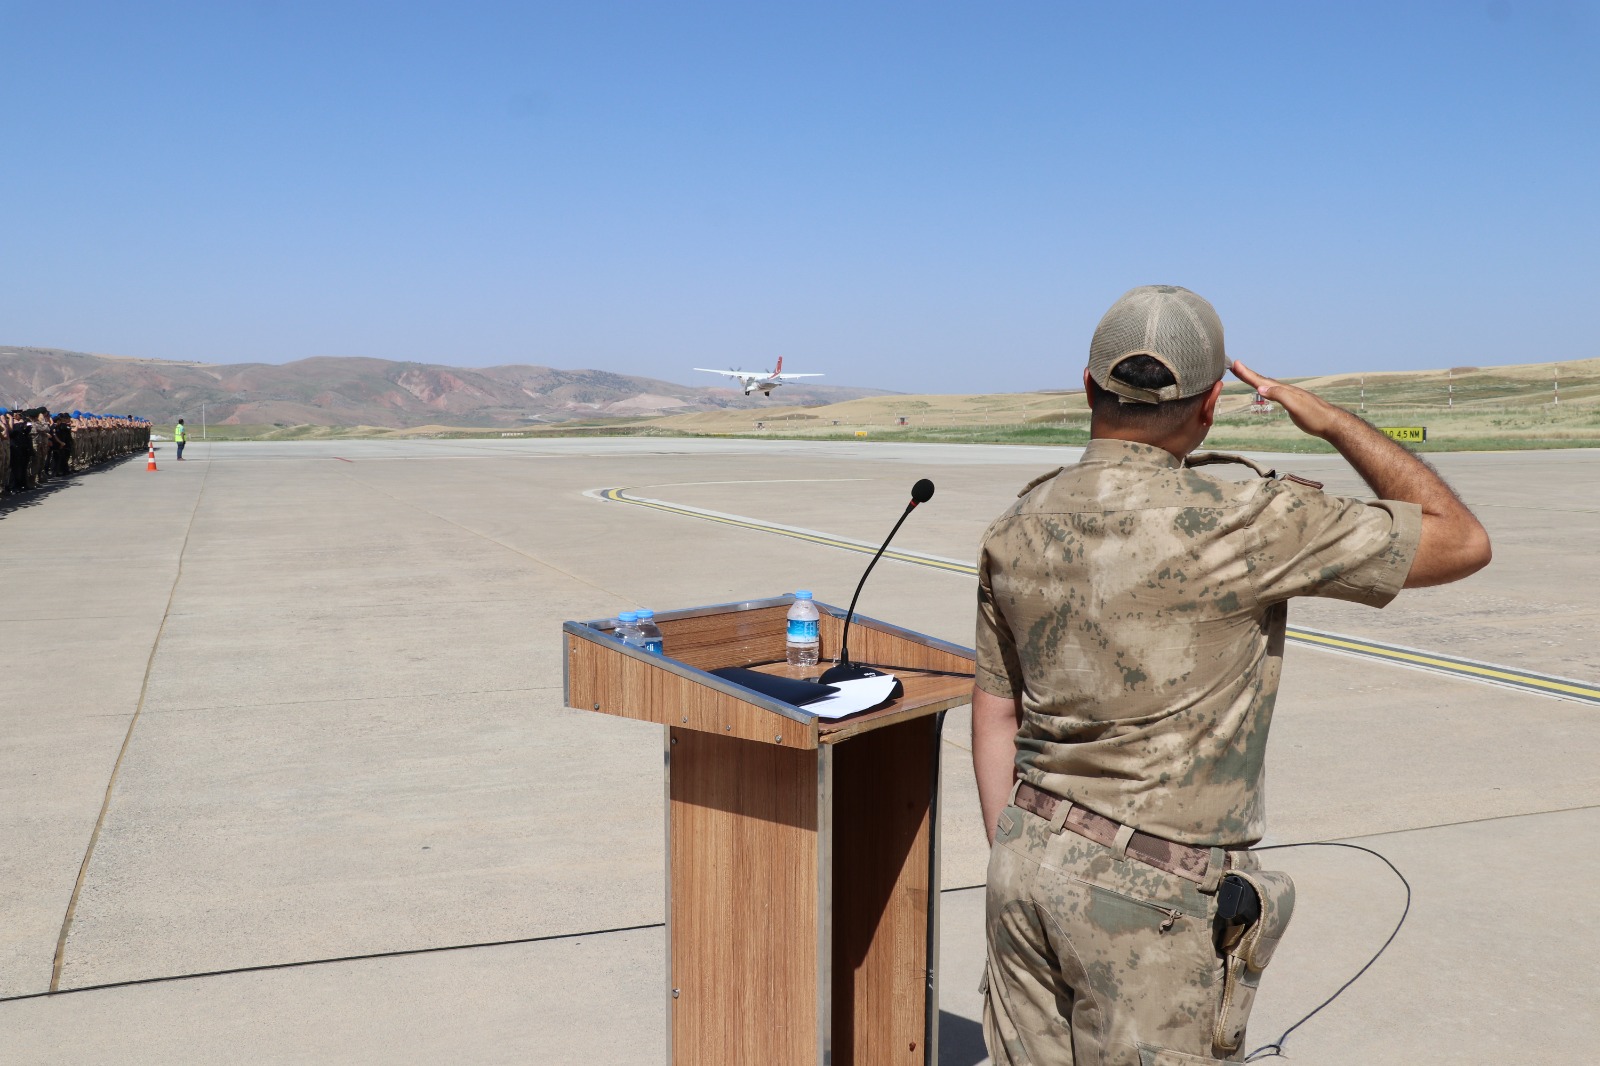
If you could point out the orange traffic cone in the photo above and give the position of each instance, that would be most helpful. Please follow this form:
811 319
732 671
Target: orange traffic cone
151 464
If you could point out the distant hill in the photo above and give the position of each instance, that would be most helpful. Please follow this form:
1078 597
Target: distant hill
333 391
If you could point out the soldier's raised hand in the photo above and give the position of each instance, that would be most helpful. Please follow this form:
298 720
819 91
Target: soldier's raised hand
1310 412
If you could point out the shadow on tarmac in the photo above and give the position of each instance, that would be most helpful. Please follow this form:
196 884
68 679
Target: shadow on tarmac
34 497
960 1041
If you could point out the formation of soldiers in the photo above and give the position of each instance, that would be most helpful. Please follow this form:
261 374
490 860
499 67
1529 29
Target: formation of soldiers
36 446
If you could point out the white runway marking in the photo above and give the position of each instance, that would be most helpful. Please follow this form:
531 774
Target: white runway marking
759 481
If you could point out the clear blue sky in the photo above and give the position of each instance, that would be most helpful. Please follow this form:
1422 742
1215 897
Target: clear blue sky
921 196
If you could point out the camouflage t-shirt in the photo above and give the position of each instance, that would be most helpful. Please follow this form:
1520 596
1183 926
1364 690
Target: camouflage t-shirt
1138 607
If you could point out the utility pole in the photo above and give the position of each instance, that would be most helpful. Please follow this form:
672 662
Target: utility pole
202 421
1449 389
1363 392
1555 385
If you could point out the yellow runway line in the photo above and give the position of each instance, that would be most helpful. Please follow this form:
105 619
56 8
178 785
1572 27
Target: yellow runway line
1470 669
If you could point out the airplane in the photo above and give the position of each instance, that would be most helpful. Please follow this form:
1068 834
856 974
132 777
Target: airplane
754 381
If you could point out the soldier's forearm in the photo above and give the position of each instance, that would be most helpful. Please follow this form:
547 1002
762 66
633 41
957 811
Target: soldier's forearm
1388 469
994 753
1453 543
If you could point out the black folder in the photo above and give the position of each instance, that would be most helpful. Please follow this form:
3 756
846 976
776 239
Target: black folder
787 689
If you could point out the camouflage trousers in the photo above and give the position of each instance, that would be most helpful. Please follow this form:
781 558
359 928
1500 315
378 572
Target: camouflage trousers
1095 960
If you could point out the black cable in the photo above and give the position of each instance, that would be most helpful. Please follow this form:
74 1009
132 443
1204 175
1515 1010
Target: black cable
300 963
919 670
1275 1049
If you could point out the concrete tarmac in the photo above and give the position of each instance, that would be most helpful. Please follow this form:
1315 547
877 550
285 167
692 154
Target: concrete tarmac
294 710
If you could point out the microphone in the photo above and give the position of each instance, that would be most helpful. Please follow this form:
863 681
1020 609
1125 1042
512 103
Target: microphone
845 670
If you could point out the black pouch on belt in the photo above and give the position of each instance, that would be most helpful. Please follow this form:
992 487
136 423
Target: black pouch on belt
1246 950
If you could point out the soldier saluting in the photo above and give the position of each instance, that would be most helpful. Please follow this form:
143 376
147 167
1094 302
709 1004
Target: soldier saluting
1131 616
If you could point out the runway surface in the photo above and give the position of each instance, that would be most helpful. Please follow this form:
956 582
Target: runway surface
289 715
1394 654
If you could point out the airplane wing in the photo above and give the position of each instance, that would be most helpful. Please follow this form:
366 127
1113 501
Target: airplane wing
737 375
791 377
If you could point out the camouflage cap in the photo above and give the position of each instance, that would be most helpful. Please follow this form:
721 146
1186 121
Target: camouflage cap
1177 328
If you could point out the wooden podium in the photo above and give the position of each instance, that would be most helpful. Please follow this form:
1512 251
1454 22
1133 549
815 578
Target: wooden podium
802 855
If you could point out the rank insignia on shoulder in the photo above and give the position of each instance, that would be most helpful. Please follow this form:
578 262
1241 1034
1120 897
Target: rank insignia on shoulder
1298 480
1040 480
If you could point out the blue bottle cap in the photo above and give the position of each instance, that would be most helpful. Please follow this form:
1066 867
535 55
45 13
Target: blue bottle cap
803 594
627 616
646 614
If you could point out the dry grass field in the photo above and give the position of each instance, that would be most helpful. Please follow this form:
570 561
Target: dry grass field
1462 408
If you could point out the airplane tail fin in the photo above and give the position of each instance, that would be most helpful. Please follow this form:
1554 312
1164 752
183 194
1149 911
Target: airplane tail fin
779 368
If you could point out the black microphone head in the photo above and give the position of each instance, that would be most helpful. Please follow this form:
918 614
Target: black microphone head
922 491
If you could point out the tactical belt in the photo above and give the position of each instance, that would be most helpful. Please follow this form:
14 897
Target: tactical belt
1190 863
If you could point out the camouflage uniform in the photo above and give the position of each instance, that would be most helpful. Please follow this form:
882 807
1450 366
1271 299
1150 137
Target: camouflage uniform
43 447
1137 607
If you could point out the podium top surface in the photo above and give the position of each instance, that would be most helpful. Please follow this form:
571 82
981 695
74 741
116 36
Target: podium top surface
678 689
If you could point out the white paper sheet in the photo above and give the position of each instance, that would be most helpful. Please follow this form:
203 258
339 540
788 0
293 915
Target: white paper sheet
853 696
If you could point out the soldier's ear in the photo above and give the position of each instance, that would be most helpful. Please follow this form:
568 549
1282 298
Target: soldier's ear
1208 410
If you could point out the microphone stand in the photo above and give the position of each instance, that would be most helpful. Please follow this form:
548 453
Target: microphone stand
845 670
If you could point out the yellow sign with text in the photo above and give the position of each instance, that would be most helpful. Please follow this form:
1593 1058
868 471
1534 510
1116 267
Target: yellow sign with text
1407 433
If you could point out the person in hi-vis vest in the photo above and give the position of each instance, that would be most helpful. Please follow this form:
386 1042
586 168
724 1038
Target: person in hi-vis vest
180 437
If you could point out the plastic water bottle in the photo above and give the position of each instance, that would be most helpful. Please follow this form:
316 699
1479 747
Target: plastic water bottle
650 633
627 627
803 640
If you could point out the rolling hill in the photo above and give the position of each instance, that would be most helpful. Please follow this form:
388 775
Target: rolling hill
339 391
